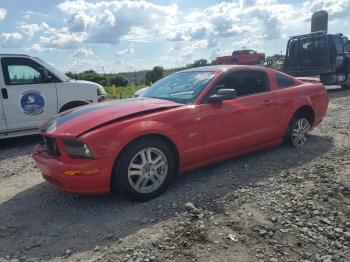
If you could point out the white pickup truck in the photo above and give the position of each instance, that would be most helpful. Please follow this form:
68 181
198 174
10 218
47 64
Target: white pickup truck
33 91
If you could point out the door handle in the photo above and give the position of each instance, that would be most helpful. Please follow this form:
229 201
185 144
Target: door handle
267 101
4 93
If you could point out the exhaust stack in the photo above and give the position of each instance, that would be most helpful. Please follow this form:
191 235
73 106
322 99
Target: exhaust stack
319 21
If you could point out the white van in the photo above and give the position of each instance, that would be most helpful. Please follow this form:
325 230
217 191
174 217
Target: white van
33 91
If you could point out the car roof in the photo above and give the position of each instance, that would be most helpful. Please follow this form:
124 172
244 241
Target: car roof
242 50
219 68
12 55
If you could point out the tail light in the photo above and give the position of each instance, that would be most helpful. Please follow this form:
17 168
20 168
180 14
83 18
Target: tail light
102 98
101 94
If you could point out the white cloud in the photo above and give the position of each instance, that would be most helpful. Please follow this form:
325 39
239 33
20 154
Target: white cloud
3 13
32 29
85 59
11 40
36 48
122 53
29 13
61 39
109 21
83 53
194 34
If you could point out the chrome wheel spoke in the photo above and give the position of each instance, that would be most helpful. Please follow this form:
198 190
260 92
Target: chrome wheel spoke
147 170
135 173
144 183
300 131
160 164
143 157
139 181
136 166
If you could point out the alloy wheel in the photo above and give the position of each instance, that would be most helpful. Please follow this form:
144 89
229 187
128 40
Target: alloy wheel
300 131
147 170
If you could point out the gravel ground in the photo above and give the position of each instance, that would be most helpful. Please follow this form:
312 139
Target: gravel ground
282 204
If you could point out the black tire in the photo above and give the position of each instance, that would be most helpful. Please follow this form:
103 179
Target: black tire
290 136
234 62
261 61
345 87
120 176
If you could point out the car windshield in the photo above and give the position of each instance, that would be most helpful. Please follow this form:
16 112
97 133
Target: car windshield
180 87
53 70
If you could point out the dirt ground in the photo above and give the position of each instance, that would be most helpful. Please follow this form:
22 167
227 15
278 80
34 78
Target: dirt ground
281 204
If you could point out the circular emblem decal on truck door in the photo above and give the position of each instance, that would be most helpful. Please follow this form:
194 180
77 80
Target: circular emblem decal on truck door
32 102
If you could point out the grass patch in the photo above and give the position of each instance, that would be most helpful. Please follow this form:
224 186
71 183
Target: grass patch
122 92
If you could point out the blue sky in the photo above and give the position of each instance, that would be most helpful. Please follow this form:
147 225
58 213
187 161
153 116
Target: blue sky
128 35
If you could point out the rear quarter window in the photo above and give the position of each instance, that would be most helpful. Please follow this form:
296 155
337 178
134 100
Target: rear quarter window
284 81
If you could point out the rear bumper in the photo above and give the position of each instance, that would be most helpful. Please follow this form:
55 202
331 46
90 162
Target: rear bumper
53 169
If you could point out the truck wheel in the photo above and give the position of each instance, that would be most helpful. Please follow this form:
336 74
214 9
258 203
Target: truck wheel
234 62
144 169
261 61
297 131
72 105
345 87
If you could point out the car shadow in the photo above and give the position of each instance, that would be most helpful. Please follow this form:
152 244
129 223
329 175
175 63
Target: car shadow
42 222
336 92
18 146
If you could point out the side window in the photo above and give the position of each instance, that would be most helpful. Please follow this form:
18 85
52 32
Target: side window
21 71
246 82
306 46
338 44
23 74
235 53
284 81
293 49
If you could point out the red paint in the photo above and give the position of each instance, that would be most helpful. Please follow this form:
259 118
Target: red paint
241 57
203 133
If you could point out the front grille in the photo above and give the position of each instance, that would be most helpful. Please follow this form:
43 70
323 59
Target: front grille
51 146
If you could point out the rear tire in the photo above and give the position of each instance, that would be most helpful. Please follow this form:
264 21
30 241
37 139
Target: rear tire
234 62
297 131
144 169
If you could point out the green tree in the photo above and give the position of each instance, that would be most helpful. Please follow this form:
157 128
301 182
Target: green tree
154 75
200 62
119 80
91 75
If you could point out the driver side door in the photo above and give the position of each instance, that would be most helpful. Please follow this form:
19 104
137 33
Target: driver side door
242 123
27 98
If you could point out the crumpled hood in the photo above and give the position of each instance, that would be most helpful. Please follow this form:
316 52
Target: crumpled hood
82 119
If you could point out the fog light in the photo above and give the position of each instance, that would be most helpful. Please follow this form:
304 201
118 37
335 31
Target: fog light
81 172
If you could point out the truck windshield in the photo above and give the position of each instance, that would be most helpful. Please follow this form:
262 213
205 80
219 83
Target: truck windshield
180 87
53 70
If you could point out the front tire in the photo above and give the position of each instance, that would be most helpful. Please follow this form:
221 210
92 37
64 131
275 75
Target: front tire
144 169
297 132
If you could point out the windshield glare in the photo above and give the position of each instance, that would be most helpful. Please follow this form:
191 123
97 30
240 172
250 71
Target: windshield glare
180 87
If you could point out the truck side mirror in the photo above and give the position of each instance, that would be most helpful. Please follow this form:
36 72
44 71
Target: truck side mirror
45 75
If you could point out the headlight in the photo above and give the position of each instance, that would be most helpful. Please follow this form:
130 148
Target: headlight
77 149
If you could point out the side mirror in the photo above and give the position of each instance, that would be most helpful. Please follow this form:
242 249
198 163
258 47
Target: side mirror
45 75
223 94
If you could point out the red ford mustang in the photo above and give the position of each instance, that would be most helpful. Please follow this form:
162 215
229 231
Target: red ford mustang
185 121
